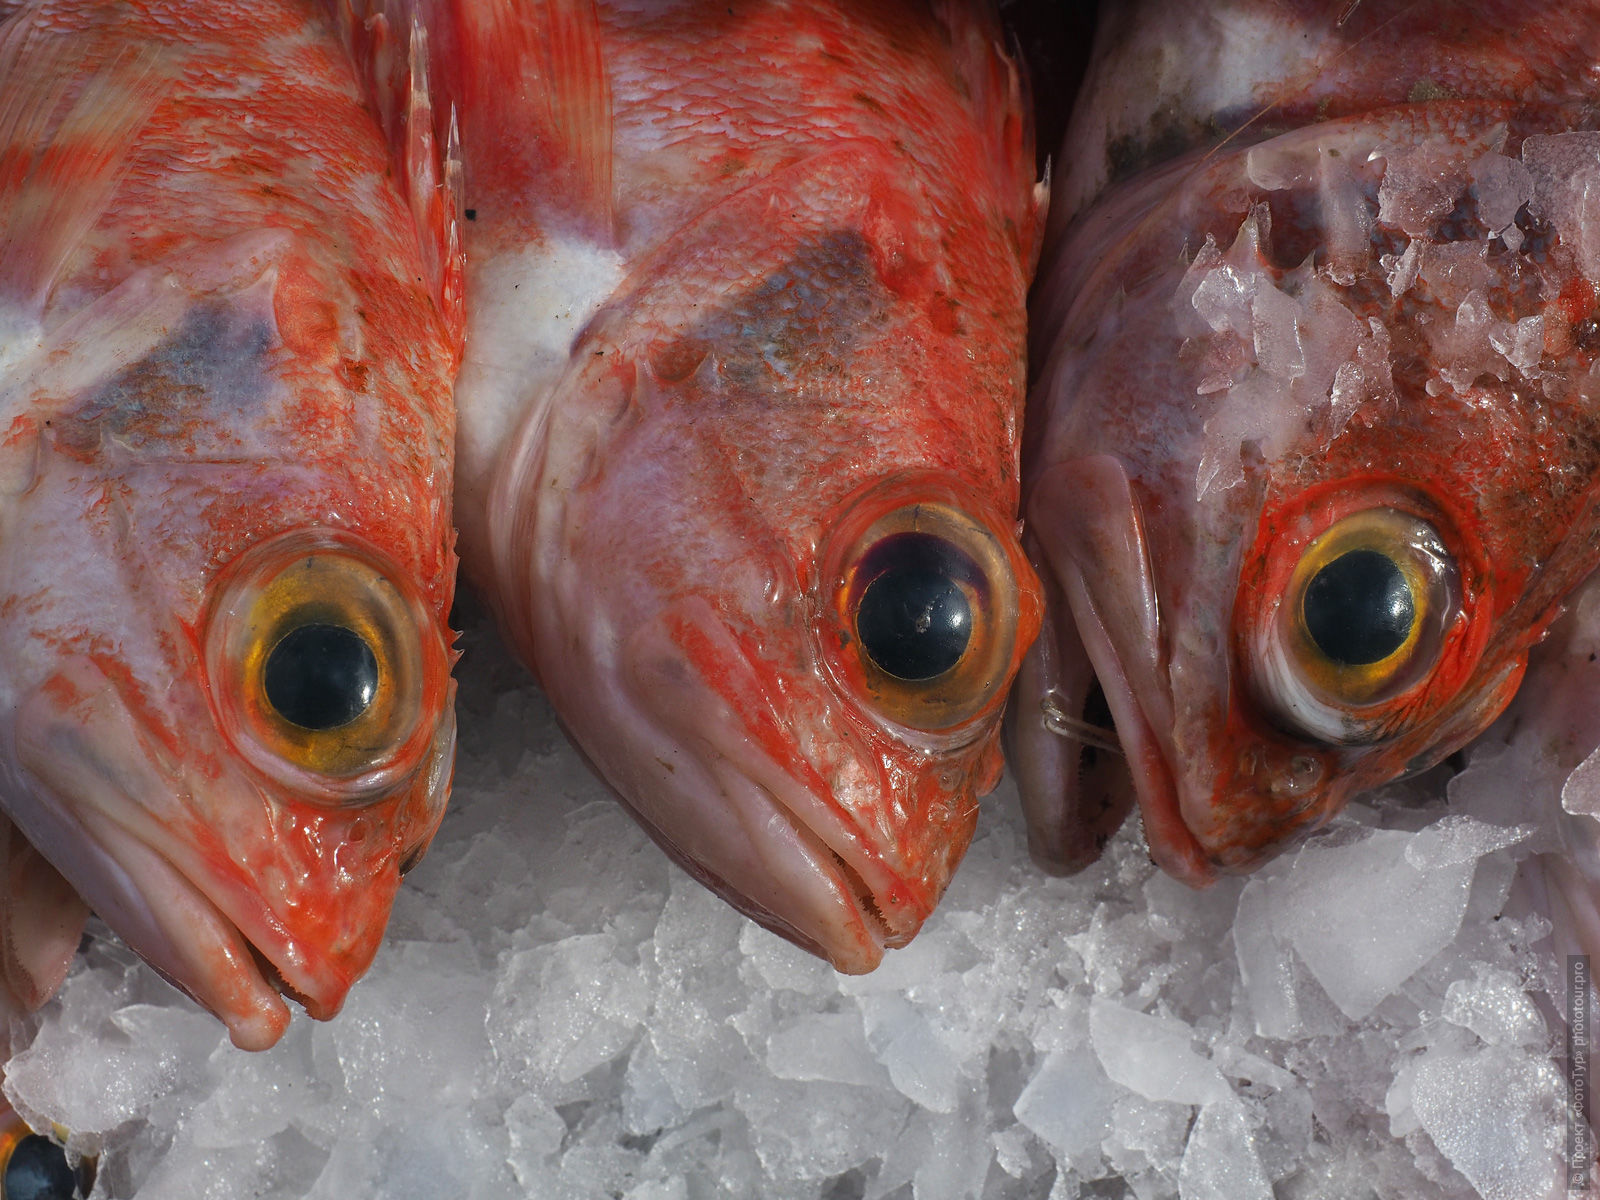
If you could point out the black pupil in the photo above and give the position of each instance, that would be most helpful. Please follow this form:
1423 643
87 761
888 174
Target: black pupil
321 676
913 619
1358 608
38 1170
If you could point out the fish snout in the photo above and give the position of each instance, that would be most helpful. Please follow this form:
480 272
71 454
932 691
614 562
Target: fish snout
1271 793
237 895
805 817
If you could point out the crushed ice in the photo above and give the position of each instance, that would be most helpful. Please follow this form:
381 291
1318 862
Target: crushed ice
1284 357
557 1013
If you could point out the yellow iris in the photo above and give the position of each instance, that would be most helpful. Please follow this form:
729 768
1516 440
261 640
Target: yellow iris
1364 598
323 664
924 616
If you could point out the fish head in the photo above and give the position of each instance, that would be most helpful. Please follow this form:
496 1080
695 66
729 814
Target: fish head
226 577
823 735
1309 502
764 554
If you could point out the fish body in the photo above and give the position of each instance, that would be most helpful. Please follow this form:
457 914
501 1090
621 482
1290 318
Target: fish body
1315 434
744 356
225 548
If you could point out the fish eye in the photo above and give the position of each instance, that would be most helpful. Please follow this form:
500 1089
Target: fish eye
326 670
914 618
1358 609
320 676
32 1167
1363 619
925 617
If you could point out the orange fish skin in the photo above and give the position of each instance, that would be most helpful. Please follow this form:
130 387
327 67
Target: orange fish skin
744 280
1276 348
227 375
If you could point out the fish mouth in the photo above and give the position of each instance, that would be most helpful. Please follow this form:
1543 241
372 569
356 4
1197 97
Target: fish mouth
766 831
1090 526
172 924
87 798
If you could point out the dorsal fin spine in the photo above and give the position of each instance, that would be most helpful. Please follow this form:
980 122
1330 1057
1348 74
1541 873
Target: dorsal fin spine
433 187
401 81
537 98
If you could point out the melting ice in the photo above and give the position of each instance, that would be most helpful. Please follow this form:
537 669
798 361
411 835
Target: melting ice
558 1013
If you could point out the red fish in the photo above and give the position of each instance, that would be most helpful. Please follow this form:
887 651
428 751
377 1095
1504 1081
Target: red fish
739 423
225 547
1316 424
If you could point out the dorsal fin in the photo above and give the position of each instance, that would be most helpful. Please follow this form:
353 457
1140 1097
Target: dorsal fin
998 87
422 136
537 107
71 107
527 80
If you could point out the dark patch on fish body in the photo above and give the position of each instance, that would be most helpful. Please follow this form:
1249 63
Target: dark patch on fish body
188 396
801 322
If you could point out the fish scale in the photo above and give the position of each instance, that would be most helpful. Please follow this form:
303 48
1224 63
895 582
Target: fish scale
228 403
747 289
1317 285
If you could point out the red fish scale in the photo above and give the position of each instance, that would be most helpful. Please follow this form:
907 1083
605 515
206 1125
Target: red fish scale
1512 461
260 126
825 235
253 175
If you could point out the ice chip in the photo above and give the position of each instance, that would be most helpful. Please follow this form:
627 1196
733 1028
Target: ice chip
534 1132
659 1189
1347 213
815 1131
1453 840
1401 269
1220 1160
1496 1007
1264 965
90 1083
1501 185
829 1046
782 964
1363 918
564 1009
1068 1102
1152 1055
950 1165
1223 299
918 1061
1580 793
1521 344
1275 330
1420 186
1496 1116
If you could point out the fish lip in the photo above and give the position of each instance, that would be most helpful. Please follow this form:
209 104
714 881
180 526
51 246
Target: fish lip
886 934
677 701
84 790
267 972
123 862
1171 842
1089 523
320 993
